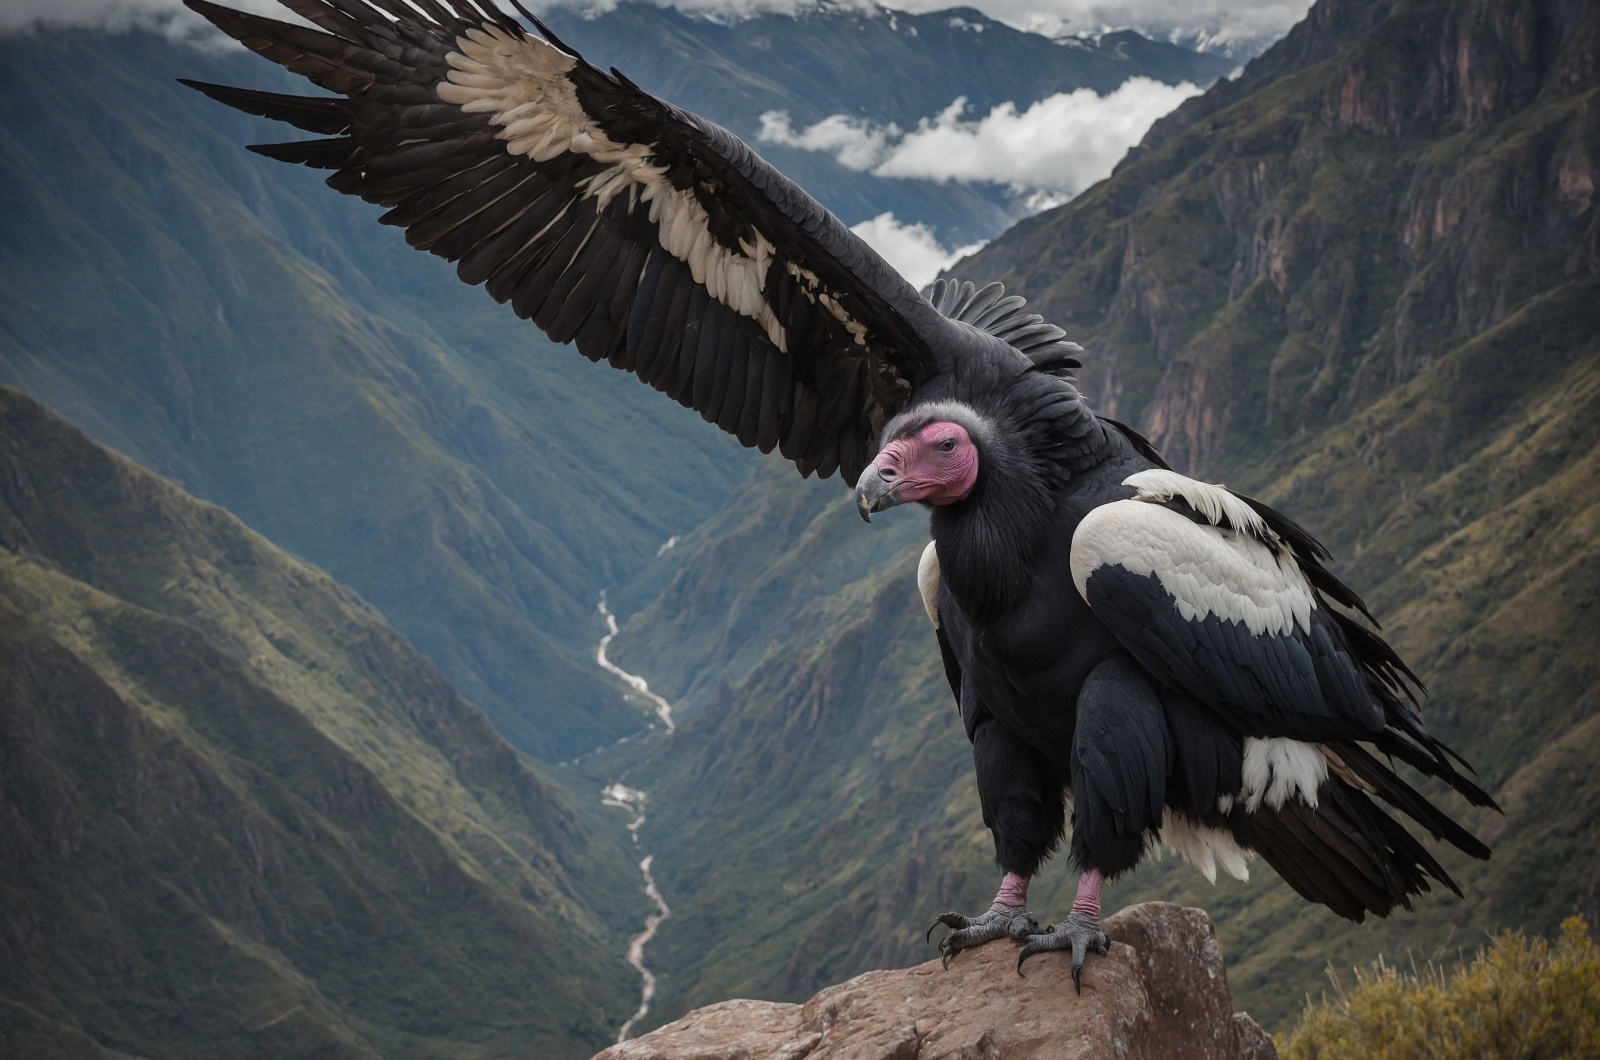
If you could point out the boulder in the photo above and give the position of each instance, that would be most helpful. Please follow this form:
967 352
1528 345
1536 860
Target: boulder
1160 993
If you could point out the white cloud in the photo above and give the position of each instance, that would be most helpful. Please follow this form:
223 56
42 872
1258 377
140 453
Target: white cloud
912 249
168 17
1228 26
855 142
1052 150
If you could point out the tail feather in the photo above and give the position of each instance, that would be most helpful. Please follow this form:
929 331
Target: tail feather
1388 786
1344 853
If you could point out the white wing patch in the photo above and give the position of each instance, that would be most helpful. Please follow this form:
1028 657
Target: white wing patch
1207 570
1215 503
523 85
1204 847
1276 770
928 582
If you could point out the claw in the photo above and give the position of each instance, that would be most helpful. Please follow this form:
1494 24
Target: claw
1076 933
954 921
965 932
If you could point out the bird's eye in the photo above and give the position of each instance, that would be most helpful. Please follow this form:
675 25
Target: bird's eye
947 446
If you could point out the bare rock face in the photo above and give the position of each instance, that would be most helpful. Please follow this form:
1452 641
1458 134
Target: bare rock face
1160 993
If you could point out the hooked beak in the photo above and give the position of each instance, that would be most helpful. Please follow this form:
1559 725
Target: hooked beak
874 493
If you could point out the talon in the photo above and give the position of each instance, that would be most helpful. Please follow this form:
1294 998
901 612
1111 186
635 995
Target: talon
1077 934
953 921
999 922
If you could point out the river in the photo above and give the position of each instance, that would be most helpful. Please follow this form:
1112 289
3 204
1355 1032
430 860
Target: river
633 801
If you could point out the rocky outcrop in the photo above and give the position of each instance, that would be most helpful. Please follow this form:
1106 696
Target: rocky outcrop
1161 992
1389 182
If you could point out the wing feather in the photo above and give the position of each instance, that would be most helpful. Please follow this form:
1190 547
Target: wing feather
653 239
1203 589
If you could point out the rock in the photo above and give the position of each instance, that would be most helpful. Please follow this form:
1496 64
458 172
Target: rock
1160 993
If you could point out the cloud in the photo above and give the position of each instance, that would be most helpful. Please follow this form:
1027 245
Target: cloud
912 249
168 17
1228 26
1051 151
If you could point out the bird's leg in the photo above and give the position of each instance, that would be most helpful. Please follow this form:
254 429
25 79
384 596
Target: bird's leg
1080 932
1008 917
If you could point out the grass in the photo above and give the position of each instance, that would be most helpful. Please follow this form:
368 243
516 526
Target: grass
1519 999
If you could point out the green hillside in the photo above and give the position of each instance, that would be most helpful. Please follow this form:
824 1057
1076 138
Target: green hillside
1361 282
236 326
243 817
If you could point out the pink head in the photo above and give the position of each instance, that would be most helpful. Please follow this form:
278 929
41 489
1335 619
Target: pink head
936 462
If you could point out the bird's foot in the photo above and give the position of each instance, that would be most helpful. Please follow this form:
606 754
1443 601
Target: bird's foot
1001 921
1079 933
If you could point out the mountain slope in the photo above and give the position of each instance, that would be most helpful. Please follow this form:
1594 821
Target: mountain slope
1388 330
235 325
243 817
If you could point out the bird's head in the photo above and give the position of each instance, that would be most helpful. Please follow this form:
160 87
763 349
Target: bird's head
930 454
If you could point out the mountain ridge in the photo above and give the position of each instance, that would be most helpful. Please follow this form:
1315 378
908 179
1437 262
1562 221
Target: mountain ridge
242 813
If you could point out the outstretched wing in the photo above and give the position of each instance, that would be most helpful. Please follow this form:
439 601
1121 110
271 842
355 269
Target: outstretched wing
1225 600
655 240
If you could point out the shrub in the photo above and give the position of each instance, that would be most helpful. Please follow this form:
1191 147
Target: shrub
1519 999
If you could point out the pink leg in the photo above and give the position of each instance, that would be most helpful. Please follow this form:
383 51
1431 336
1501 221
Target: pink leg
1013 891
1088 900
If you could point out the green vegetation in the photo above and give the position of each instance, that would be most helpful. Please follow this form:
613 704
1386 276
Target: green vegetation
243 817
1517 999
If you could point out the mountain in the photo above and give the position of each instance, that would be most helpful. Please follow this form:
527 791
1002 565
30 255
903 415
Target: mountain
1360 281
234 325
869 62
243 817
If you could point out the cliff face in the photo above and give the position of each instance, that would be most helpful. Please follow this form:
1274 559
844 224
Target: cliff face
1390 181
1160 993
241 816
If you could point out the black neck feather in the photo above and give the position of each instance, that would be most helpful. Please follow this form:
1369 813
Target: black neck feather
988 543
1041 438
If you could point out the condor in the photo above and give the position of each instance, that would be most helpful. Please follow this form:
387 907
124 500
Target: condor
1141 655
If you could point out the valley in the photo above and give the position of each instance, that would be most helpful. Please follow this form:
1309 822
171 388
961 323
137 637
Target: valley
363 706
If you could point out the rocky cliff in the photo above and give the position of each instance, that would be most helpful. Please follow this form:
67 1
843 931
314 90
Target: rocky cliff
1161 993
1390 181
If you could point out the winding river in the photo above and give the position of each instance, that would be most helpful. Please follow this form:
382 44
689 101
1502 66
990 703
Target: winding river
633 801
